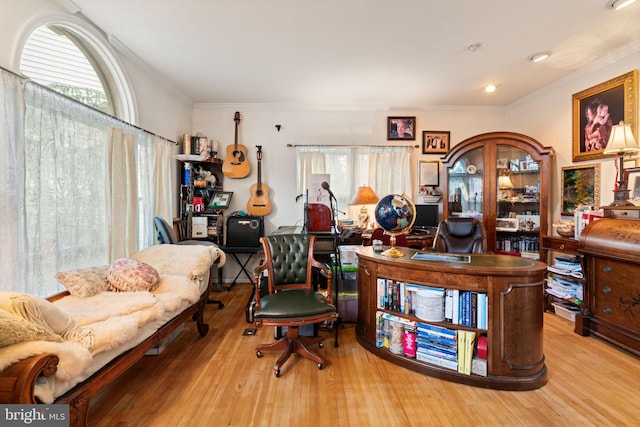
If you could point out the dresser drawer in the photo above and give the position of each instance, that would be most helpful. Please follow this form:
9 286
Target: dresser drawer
621 213
616 293
560 244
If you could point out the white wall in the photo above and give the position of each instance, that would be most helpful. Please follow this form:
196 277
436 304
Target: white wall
547 117
319 125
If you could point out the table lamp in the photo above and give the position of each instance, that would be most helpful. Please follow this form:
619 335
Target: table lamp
504 184
364 196
621 142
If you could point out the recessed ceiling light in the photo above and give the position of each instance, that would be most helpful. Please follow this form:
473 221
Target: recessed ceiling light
538 57
618 4
490 88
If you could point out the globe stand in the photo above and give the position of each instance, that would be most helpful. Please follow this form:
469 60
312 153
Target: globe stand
392 251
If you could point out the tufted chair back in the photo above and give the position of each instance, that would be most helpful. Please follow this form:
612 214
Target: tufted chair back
289 254
289 261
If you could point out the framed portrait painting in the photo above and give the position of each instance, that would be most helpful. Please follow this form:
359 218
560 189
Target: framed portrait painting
580 187
401 128
597 109
435 142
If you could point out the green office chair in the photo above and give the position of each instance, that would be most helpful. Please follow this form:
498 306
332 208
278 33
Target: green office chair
292 298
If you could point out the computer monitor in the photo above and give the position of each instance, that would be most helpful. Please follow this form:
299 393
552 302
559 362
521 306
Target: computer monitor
426 216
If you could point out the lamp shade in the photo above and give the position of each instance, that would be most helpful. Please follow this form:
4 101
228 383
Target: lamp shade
504 182
364 196
621 140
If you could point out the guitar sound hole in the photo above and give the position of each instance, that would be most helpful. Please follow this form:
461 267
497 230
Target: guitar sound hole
239 155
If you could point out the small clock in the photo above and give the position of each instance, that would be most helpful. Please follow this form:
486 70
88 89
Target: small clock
471 169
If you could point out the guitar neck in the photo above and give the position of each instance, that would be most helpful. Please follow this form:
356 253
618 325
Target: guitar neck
259 186
236 118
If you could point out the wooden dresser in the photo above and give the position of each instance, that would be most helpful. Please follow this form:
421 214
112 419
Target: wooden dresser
611 249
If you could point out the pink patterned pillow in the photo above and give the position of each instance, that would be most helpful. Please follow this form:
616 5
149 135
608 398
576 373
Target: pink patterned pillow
126 275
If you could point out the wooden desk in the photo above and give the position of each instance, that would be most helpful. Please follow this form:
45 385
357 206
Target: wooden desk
514 288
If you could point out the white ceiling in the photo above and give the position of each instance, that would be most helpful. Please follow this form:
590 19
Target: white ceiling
400 54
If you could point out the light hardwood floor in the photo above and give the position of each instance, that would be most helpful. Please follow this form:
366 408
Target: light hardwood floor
218 381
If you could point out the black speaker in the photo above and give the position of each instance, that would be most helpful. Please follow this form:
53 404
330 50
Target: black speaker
244 231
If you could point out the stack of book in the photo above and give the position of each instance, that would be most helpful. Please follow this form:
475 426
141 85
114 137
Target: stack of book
565 283
437 345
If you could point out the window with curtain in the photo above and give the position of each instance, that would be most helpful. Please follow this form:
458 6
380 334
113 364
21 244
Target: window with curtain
79 187
385 169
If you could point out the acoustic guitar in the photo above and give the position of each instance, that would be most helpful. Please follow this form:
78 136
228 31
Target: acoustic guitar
236 165
259 203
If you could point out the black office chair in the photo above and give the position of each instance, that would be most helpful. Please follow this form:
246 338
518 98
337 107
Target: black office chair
167 236
291 299
460 236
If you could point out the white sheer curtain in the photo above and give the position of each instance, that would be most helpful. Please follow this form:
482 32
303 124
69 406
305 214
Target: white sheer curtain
79 188
12 170
385 169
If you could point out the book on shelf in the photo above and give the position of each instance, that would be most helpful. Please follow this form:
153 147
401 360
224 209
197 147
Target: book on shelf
466 308
466 346
445 363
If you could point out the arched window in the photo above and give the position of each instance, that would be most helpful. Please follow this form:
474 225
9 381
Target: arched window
74 62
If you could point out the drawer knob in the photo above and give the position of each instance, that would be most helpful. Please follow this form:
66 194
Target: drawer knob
607 290
607 269
606 310
561 246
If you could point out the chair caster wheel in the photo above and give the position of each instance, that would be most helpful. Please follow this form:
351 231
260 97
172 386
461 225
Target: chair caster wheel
277 372
259 354
320 366
320 345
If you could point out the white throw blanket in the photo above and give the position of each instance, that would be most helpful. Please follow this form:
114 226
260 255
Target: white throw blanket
117 321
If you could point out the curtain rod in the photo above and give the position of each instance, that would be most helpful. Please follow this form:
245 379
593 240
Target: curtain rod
350 146
29 80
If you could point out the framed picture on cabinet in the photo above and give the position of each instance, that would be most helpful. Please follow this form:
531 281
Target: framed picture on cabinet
632 178
597 109
580 187
435 142
507 224
401 128
528 222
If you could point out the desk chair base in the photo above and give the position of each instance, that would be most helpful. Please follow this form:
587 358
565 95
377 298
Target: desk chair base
292 343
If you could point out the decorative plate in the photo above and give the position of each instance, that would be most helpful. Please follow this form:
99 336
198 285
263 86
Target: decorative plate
471 169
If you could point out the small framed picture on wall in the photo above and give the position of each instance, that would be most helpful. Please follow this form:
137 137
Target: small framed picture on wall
401 128
435 142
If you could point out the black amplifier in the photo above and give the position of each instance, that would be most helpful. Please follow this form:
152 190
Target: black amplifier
244 231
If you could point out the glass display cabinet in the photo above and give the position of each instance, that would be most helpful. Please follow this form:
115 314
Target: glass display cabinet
502 179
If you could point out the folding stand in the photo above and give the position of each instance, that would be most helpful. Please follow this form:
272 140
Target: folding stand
234 252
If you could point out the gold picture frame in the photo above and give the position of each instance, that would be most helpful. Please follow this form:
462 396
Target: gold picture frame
580 187
597 109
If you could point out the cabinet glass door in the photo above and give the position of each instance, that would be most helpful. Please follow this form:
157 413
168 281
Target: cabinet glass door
466 179
518 202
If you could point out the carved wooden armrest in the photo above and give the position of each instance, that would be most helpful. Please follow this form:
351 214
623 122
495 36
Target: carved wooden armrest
17 382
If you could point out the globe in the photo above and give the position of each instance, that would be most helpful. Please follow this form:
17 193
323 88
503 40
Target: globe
395 214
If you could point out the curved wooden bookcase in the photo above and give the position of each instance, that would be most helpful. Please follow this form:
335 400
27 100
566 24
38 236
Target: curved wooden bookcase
514 288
